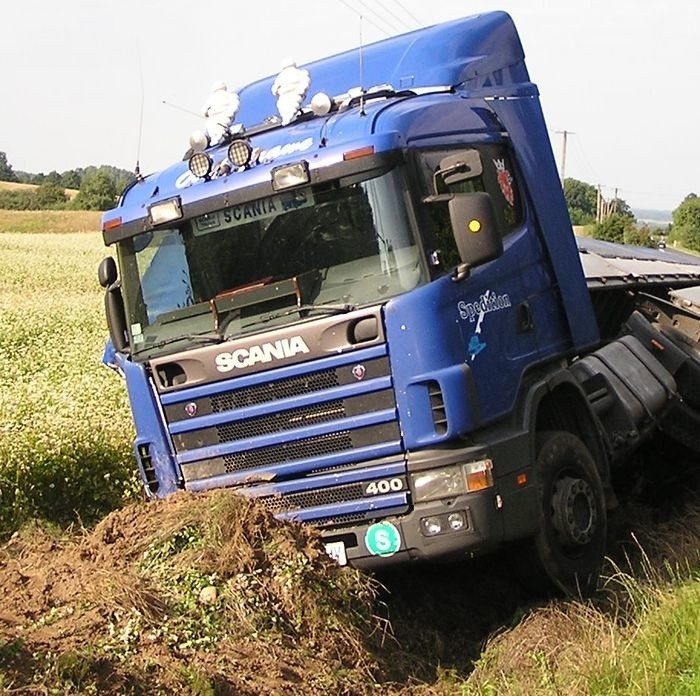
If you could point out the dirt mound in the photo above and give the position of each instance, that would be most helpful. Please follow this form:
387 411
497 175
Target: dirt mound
197 594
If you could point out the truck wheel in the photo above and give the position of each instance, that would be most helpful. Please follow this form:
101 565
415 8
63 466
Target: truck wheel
567 552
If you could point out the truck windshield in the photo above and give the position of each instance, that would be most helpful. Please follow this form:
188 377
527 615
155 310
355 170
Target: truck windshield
270 262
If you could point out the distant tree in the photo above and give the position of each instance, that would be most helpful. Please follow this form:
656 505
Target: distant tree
686 223
97 192
53 177
581 200
6 173
639 236
613 228
71 179
621 207
50 195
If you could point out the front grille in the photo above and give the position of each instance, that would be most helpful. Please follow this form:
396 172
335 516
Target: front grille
273 391
286 420
275 429
316 498
302 449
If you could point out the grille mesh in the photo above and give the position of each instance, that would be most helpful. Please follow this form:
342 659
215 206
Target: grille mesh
286 420
273 391
316 498
301 449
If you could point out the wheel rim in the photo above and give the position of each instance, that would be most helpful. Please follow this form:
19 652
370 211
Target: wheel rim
574 512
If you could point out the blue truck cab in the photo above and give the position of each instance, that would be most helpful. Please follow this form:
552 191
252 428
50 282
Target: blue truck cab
372 318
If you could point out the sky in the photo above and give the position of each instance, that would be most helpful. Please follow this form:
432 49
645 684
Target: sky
91 82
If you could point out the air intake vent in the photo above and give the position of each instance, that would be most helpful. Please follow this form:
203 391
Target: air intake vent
149 473
437 406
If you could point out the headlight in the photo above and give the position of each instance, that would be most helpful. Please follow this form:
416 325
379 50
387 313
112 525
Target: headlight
438 483
453 480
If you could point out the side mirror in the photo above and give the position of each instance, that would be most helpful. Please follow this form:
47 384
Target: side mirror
475 230
107 272
114 303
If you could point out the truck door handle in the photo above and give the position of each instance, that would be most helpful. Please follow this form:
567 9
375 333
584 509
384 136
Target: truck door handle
524 317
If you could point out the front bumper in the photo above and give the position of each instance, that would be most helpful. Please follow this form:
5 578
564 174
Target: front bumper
405 540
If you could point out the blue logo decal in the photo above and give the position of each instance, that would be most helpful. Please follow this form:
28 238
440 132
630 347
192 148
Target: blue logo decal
476 345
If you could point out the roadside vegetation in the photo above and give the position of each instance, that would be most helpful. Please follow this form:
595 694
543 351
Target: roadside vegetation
65 429
207 594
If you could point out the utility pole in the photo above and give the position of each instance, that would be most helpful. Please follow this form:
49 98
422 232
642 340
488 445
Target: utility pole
565 134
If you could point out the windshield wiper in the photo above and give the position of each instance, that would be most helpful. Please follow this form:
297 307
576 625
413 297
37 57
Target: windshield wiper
204 338
304 310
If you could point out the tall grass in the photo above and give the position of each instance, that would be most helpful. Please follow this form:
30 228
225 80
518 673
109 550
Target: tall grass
640 637
65 429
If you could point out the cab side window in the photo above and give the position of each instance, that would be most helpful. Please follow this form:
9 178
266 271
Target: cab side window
486 168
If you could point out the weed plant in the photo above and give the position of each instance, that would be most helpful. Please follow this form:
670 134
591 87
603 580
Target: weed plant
65 428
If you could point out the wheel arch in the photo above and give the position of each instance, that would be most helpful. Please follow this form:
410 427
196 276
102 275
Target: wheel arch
559 403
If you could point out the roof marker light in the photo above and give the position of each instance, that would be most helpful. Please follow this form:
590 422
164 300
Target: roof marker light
321 104
360 152
112 224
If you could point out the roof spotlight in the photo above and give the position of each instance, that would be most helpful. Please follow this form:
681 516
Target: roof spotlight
200 165
239 152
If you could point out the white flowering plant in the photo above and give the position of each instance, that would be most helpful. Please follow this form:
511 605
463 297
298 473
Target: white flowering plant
65 428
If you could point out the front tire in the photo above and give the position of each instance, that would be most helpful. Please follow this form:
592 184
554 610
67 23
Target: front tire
567 552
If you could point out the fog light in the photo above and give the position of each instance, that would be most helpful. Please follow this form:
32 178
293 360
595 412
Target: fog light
456 521
431 526
200 165
239 152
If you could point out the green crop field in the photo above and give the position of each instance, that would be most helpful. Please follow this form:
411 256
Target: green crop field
65 457
65 429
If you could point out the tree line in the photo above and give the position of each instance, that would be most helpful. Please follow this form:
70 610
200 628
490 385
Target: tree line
98 188
619 225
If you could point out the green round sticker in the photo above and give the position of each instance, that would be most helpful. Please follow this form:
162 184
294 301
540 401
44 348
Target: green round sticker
383 539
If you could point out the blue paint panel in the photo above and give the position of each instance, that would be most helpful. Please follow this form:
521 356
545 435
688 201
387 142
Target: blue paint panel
528 132
149 425
299 467
430 340
474 50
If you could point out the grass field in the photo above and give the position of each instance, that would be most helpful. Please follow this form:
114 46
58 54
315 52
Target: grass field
65 456
51 221
15 186
65 429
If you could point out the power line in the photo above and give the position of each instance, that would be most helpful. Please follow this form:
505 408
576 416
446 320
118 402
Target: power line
391 26
393 14
417 21
361 16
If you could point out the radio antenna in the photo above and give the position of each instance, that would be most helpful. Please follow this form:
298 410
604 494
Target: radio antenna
181 108
362 79
137 170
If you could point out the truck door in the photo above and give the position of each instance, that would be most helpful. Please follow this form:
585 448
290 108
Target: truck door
497 306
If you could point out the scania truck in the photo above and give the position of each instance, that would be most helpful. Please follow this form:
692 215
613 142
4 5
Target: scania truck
372 315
